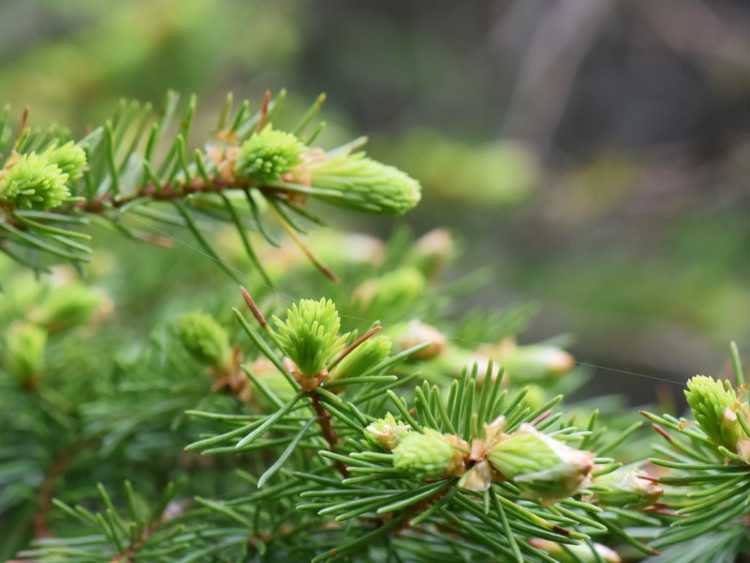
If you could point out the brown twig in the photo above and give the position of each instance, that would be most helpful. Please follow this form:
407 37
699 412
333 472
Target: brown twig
254 308
663 433
264 110
173 510
324 421
128 555
167 192
47 489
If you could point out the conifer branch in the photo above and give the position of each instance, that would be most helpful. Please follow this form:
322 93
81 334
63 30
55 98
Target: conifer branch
47 180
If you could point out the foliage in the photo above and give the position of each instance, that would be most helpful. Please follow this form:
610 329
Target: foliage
138 163
370 419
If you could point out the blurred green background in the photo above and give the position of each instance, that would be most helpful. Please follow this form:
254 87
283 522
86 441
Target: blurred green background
591 154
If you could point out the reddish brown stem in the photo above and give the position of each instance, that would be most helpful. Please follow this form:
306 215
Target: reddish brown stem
167 192
264 110
128 555
324 420
254 308
47 490
663 433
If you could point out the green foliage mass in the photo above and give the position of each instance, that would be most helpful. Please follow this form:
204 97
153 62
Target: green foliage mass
312 437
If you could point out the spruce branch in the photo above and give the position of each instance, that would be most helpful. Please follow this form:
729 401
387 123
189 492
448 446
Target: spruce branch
441 458
704 468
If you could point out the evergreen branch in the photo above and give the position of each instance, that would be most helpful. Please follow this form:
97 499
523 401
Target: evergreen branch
114 170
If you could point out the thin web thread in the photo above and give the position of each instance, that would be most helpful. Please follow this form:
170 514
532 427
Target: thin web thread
247 275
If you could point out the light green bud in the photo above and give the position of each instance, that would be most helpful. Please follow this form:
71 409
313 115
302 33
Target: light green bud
365 356
33 183
205 339
395 288
536 362
577 553
24 351
433 251
70 158
310 335
545 469
387 432
416 332
68 306
20 291
268 154
535 397
715 407
365 184
626 486
429 455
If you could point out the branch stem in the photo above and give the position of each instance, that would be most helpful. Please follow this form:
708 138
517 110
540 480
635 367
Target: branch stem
324 421
47 489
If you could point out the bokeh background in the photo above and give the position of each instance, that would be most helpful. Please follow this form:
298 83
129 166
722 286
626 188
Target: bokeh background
592 155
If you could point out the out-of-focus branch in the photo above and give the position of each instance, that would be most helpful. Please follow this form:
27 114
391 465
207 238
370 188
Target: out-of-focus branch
695 28
548 68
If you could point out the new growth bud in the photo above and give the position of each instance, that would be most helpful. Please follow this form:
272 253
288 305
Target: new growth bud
715 406
32 182
268 155
626 486
310 335
69 306
415 333
365 356
69 158
544 468
433 251
387 432
430 454
577 553
393 289
535 397
24 351
535 362
205 339
365 184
